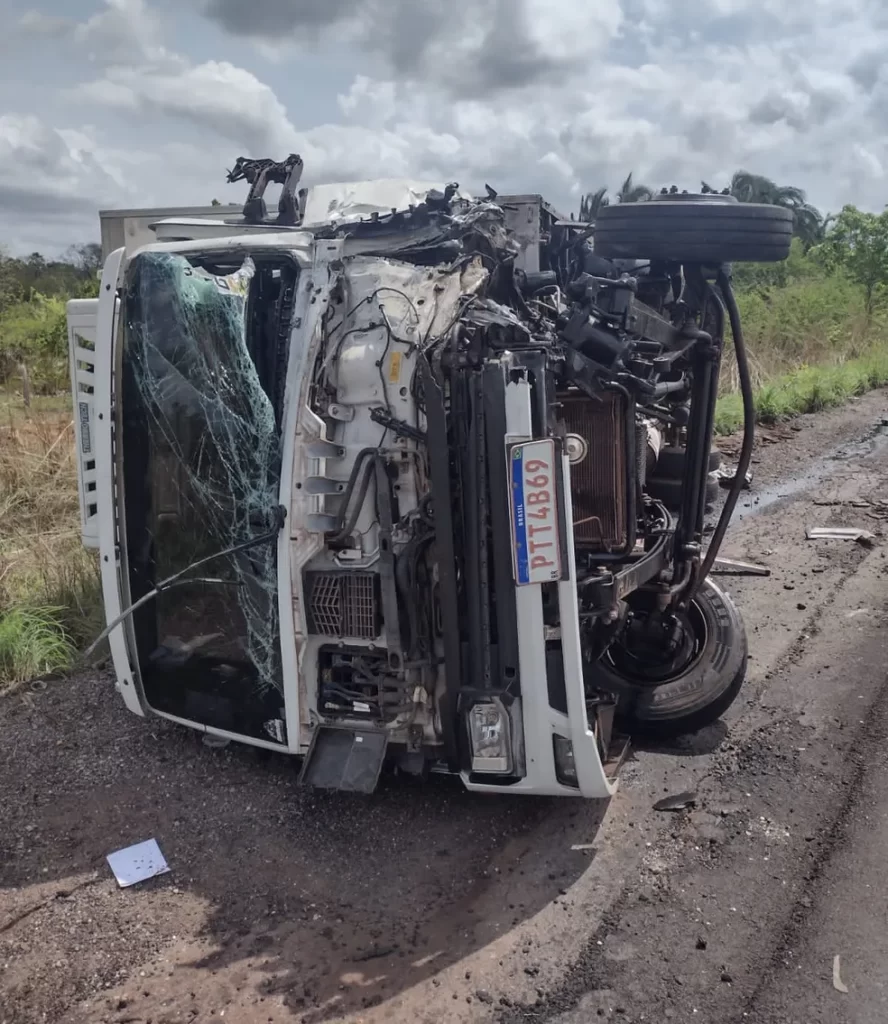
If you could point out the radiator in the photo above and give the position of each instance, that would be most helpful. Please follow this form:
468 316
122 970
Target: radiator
598 480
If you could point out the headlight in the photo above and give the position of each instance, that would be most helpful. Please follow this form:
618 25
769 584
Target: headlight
565 769
490 736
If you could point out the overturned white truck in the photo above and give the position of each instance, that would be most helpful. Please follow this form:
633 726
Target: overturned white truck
404 476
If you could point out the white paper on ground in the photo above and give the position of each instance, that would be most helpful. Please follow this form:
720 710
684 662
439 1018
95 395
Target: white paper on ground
137 863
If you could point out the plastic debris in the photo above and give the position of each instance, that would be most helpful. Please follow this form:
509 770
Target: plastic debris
135 864
679 802
838 984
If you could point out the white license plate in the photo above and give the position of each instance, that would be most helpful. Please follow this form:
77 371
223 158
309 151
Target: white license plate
536 517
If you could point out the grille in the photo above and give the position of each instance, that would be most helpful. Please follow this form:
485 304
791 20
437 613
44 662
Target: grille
344 604
598 481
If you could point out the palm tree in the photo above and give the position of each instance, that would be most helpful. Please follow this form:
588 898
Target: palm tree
755 188
632 193
592 202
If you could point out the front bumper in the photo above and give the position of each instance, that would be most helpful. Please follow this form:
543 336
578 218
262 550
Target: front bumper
544 688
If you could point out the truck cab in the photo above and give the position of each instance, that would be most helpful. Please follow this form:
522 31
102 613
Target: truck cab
231 380
407 477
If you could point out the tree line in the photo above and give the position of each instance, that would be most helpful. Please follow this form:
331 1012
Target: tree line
73 275
810 224
33 328
852 242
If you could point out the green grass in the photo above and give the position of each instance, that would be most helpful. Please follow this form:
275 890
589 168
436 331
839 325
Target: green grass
809 389
33 642
50 589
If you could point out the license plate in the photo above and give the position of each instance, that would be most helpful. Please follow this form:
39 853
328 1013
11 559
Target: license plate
536 517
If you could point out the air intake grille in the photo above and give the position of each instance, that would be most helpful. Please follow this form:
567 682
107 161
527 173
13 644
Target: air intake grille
344 604
598 481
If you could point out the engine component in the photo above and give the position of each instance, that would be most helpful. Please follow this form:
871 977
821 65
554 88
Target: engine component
350 682
599 482
344 604
576 448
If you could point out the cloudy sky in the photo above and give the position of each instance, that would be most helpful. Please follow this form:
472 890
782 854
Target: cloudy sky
108 103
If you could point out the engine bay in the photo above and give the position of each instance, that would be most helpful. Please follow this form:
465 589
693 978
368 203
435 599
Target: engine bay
421 342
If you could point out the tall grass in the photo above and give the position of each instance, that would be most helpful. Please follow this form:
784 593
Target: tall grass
811 343
50 591
808 389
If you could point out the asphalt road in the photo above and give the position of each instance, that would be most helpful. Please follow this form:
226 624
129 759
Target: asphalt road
430 905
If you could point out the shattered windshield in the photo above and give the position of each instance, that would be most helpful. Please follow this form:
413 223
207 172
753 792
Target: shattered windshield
204 364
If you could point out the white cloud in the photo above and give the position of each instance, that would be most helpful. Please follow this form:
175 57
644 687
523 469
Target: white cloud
556 96
52 181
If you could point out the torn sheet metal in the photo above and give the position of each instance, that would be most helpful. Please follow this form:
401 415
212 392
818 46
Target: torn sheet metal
354 201
731 567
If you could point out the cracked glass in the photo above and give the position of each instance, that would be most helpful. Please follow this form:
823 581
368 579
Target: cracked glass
203 369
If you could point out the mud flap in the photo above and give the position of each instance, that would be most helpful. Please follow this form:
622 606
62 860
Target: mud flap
345 759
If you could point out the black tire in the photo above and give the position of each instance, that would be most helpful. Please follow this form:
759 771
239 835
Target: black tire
668 491
697 695
694 229
670 464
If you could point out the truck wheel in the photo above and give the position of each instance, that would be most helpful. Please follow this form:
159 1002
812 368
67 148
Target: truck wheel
709 229
667 690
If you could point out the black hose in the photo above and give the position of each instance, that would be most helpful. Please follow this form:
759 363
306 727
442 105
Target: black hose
718 536
345 525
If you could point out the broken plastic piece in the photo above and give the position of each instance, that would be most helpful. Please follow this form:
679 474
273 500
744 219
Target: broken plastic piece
838 984
135 864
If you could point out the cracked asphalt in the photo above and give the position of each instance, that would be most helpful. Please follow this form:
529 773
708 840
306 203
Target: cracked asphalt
427 904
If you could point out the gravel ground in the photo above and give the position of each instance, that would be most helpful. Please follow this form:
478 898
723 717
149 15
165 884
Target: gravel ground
427 904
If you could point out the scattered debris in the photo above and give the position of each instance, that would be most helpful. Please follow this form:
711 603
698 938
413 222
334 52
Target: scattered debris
214 742
832 502
838 984
731 567
377 953
679 802
857 533
727 476
135 864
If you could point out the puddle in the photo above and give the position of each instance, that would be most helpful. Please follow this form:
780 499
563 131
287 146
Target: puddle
753 502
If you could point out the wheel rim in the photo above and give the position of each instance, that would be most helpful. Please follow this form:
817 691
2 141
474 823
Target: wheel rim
640 659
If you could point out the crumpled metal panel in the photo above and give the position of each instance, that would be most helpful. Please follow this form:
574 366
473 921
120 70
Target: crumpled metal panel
353 201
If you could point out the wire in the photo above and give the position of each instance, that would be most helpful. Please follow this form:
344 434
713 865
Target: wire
177 580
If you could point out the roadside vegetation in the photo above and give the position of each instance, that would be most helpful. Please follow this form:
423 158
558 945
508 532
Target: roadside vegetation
816 328
50 598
